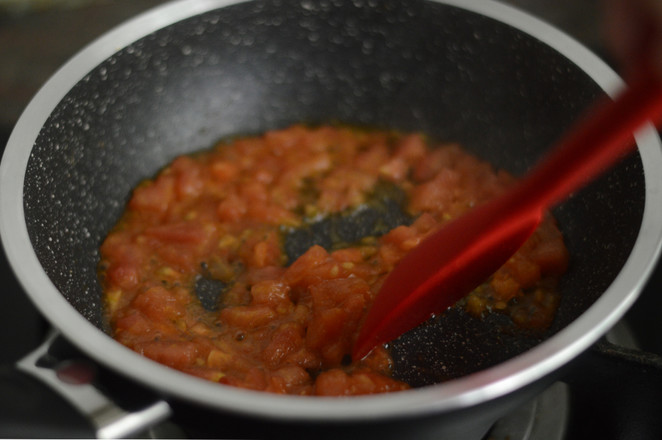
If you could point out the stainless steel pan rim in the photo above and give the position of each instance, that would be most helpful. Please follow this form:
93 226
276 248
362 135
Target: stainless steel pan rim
461 393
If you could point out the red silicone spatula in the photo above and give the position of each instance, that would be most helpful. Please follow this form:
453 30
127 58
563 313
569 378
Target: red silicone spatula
454 260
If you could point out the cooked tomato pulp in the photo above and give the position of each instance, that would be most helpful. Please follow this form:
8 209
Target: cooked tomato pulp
216 221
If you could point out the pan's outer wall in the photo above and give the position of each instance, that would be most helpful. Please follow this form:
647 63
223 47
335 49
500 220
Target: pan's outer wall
427 66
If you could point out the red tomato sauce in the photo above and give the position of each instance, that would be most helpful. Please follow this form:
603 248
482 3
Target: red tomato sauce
288 327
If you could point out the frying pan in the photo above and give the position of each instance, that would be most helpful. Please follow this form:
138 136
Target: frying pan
182 76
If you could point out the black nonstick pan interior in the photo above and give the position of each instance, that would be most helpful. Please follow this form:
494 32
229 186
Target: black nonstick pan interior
413 66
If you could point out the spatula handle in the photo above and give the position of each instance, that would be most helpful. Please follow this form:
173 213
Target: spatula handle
604 139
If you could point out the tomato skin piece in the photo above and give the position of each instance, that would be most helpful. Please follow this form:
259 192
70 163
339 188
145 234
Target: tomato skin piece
154 197
305 270
288 339
189 181
271 292
160 304
326 327
171 353
290 379
338 305
232 209
190 233
224 171
248 316
339 383
125 276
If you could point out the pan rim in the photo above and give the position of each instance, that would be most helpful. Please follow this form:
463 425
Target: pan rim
460 393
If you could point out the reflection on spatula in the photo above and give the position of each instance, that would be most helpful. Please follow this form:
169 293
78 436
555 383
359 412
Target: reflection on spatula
454 260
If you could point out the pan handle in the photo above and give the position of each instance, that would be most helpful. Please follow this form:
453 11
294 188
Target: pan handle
607 362
55 391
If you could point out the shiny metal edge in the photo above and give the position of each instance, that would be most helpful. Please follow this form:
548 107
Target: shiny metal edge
464 392
109 419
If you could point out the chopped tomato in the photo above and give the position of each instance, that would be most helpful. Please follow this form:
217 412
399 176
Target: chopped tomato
216 221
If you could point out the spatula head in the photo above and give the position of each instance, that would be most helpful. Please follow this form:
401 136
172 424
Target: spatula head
445 267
